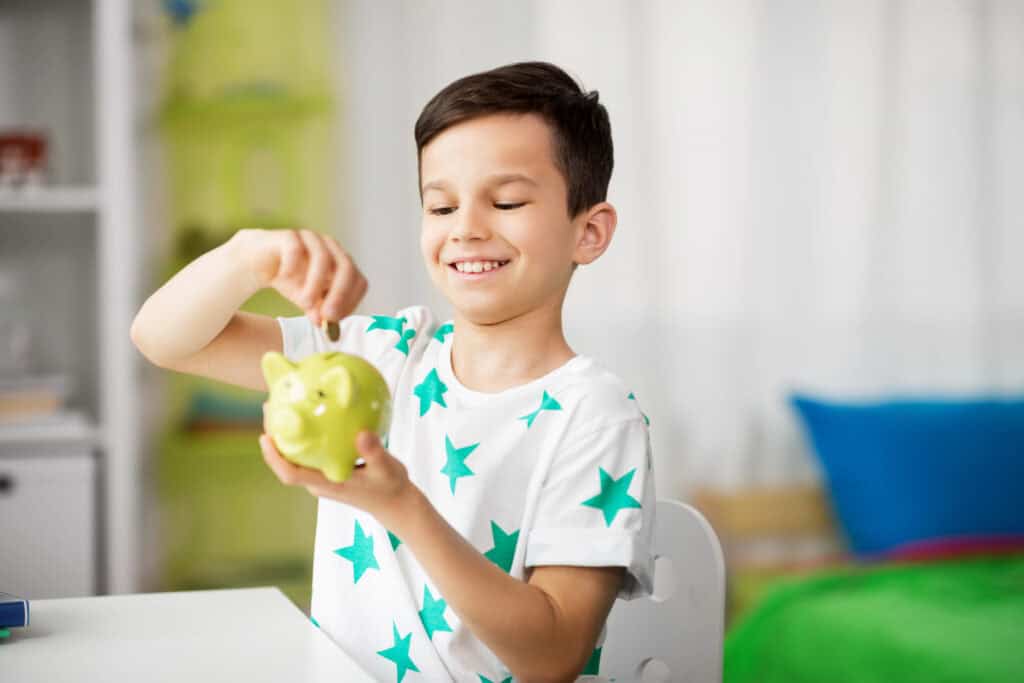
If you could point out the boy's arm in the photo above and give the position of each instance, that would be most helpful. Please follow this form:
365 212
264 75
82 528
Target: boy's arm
544 629
192 324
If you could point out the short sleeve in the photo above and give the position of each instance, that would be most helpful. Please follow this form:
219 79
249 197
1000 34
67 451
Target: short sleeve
386 341
596 506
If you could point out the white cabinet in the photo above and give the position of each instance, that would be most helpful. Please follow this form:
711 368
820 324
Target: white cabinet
70 522
48 521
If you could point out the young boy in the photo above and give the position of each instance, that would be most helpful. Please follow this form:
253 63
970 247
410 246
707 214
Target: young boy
514 500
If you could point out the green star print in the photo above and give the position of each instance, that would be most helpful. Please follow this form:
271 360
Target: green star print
384 322
485 679
456 465
432 614
614 495
403 343
399 653
430 390
443 332
360 553
395 541
546 403
504 547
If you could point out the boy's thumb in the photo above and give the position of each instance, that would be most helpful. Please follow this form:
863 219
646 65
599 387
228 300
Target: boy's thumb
368 443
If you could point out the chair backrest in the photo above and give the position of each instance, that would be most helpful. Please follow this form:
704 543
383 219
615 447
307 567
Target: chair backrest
675 635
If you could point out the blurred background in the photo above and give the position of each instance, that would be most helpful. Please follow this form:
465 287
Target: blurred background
816 198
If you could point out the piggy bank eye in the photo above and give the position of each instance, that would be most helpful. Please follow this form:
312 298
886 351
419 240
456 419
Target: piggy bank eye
321 393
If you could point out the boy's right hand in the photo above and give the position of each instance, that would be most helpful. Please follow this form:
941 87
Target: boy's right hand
309 269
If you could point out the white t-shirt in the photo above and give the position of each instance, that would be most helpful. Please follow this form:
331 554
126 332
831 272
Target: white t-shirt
557 471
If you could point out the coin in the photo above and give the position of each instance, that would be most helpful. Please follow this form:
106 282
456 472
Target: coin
331 329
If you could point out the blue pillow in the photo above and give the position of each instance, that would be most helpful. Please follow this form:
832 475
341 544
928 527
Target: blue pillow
911 471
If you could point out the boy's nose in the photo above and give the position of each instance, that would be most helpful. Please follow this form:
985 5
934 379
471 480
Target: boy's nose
470 225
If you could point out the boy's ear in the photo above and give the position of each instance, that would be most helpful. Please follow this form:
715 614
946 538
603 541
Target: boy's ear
596 229
275 366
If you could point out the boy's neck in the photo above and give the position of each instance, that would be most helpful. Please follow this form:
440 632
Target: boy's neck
493 358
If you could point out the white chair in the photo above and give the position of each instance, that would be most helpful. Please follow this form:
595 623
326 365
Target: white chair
677 634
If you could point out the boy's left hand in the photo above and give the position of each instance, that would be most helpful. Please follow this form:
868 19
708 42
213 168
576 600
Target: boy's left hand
380 485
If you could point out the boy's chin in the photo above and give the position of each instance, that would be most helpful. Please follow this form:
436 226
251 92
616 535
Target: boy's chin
480 313
478 316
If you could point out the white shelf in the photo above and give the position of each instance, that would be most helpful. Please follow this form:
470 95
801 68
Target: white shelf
67 68
63 428
50 200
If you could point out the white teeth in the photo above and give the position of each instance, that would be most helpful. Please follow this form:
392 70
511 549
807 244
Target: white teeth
477 266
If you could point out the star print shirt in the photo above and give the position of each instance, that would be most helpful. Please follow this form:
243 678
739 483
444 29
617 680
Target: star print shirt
553 472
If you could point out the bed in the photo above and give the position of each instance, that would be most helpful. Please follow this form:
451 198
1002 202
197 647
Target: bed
928 496
938 620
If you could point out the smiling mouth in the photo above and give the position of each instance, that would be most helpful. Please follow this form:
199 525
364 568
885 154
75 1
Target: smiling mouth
477 267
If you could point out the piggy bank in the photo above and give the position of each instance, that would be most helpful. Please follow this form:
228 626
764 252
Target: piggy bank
318 406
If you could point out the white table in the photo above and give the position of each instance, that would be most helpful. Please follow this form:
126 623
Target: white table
248 634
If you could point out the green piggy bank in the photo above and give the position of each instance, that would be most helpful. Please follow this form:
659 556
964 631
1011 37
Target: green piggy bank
318 406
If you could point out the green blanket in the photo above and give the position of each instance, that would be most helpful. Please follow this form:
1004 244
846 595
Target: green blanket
940 622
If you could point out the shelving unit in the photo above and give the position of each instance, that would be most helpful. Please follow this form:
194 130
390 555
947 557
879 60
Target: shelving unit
51 200
70 514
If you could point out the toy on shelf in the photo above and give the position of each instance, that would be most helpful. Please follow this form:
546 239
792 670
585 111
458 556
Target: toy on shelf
23 159
318 405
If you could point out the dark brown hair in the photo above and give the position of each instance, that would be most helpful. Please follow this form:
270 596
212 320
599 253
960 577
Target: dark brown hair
580 131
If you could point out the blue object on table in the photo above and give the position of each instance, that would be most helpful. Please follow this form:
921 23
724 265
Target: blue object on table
13 611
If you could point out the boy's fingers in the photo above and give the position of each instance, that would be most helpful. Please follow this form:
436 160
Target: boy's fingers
368 444
319 492
334 303
293 253
339 300
316 272
274 459
288 473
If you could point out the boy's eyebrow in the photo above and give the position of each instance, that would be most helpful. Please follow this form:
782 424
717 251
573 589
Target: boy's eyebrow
496 179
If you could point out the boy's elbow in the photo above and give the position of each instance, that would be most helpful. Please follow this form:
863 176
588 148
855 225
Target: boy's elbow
137 336
551 675
140 339
565 669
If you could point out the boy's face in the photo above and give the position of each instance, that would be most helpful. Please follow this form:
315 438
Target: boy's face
492 193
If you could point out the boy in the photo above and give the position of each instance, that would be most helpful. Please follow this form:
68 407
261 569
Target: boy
514 499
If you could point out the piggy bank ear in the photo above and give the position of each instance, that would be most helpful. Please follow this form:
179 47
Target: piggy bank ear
338 383
275 366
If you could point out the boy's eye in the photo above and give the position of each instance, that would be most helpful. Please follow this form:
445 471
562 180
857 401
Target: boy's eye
504 206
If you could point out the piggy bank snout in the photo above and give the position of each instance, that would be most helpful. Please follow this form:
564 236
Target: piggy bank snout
287 423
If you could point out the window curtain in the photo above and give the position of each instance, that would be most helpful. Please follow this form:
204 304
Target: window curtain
812 195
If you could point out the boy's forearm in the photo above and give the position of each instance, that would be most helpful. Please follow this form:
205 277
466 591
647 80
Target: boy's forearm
494 605
191 308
